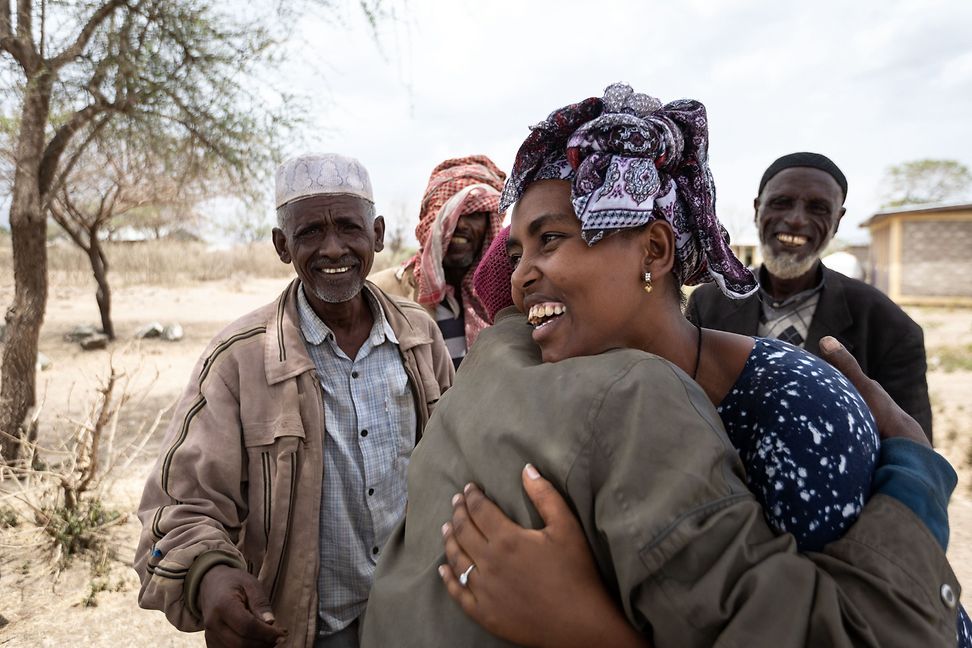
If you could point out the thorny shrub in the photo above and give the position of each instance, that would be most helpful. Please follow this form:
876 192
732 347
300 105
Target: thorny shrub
66 500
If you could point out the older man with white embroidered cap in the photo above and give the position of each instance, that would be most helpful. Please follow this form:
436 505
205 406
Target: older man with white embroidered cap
283 470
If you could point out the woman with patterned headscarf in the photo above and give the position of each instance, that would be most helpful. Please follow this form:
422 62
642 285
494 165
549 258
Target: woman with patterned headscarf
626 166
458 220
614 212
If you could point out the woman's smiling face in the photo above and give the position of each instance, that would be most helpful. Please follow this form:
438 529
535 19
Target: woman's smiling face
581 300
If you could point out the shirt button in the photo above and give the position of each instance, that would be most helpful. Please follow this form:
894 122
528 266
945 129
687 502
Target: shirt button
948 596
374 551
371 491
364 433
354 374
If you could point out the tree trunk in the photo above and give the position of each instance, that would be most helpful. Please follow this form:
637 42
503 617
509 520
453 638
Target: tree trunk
28 229
99 265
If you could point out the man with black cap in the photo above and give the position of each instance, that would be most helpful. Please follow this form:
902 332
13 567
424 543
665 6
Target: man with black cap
798 210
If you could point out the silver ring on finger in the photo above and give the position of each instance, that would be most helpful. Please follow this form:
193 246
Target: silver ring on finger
464 576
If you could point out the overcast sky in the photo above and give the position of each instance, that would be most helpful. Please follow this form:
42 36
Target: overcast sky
869 84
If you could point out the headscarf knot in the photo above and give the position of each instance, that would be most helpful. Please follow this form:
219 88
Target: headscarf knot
631 160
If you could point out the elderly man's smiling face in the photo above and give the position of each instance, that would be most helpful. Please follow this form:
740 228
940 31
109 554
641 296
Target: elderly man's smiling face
331 240
797 214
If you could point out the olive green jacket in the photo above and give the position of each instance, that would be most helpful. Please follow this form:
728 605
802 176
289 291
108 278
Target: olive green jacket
642 458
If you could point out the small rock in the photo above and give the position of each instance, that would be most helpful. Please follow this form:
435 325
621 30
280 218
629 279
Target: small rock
79 333
152 330
96 341
172 332
43 362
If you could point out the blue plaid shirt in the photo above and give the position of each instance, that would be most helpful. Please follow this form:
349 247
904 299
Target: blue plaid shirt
369 415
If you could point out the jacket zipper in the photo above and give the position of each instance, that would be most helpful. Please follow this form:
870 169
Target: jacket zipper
286 538
267 495
421 407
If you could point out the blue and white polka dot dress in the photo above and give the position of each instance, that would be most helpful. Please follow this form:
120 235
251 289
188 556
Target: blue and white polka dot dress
809 445
806 438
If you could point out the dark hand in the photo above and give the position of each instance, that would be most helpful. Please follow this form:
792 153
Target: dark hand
531 587
235 611
892 421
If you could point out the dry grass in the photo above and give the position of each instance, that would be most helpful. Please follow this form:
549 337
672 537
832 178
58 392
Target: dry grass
44 613
167 263
951 358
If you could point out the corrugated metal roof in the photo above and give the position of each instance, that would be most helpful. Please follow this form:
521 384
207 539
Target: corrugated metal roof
915 209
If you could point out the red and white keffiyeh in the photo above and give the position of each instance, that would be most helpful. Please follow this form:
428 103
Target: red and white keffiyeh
456 187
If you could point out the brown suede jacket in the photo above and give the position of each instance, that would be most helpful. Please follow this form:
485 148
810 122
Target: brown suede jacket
238 480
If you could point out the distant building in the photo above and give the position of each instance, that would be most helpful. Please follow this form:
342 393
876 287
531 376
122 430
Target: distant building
747 252
845 263
861 252
922 255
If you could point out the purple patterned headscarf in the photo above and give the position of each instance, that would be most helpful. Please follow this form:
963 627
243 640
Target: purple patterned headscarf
631 160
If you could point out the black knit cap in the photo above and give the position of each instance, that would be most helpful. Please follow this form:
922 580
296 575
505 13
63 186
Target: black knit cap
812 160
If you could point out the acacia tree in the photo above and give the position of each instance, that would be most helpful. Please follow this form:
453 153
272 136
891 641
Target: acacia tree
149 66
922 182
116 178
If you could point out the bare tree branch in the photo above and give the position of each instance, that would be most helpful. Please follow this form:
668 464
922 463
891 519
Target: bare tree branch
75 156
5 24
54 149
76 48
25 22
67 224
17 46
26 58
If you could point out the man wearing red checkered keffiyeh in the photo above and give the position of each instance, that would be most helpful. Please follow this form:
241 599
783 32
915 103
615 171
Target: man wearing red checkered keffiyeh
458 220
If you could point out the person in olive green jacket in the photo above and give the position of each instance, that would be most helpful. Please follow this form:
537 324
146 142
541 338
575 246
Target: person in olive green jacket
640 455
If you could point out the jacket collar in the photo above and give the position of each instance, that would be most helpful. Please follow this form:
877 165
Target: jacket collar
284 353
315 331
833 315
737 315
409 336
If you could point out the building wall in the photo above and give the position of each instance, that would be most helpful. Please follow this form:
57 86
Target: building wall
878 270
936 258
863 255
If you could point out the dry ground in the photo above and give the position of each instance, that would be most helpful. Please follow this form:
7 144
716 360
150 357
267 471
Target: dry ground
42 612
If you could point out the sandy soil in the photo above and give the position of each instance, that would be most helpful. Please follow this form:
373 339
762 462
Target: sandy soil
38 610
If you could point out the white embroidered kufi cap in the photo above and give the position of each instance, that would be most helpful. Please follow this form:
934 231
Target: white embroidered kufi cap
315 174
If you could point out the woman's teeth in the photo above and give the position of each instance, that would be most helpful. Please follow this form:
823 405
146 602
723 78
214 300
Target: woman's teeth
541 312
793 240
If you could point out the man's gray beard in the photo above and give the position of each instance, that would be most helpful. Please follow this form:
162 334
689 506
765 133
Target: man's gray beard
335 296
785 265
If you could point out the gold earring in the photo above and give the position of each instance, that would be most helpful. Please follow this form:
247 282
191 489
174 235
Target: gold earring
648 285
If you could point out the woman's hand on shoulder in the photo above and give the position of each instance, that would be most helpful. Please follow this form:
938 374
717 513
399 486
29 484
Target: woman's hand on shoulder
532 587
